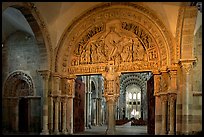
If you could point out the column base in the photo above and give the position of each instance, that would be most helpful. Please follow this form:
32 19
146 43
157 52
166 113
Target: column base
56 132
64 132
171 133
44 132
110 132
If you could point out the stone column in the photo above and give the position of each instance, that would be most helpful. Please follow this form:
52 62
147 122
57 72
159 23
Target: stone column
110 102
164 114
64 100
187 98
111 93
158 116
71 93
56 120
56 99
172 98
45 75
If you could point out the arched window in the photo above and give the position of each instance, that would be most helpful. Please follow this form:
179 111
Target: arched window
139 96
134 96
130 95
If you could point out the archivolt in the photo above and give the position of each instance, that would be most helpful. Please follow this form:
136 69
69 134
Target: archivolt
13 80
91 25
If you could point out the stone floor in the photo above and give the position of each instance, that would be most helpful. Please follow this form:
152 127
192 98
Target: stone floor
126 129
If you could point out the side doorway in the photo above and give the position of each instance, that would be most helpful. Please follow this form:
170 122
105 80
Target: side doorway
151 107
23 115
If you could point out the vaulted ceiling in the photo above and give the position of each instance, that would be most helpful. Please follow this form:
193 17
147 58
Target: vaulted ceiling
59 15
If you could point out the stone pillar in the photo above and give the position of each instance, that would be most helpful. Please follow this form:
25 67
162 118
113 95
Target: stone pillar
172 98
45 75
71 93
56 120
111 93
56 93
187 98
64 100
158 113
110 102
164 114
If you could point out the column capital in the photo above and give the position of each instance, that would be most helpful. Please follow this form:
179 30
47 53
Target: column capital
164 97
186 64
172 97
63 99
56 74
71 76
111 98
56 99
44 73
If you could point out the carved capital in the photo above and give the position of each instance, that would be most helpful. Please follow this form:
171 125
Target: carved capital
71 86
110 98
164 97
187 64
187 67
63 99
172 97
45 74
56 99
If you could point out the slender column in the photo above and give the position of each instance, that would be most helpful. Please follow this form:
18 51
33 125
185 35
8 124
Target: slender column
172 98
164 115
56 120
157 102
64 114
45 75
71 90
56 93
187 99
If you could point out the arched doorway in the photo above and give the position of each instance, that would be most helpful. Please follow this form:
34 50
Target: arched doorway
16 104
116 38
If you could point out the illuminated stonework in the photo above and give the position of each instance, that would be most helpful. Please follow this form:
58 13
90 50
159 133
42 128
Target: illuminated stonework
125 33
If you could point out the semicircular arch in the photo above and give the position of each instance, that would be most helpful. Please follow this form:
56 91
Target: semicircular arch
129 34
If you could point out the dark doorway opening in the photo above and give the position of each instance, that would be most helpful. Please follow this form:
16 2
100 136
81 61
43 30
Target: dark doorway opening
23 115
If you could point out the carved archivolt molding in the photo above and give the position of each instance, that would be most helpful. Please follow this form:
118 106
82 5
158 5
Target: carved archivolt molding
12 84
126 33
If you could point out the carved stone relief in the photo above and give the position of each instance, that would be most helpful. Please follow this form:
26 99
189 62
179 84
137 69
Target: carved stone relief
125 34
18 84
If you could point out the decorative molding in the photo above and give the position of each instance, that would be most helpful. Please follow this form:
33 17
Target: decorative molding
91 30
14 79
